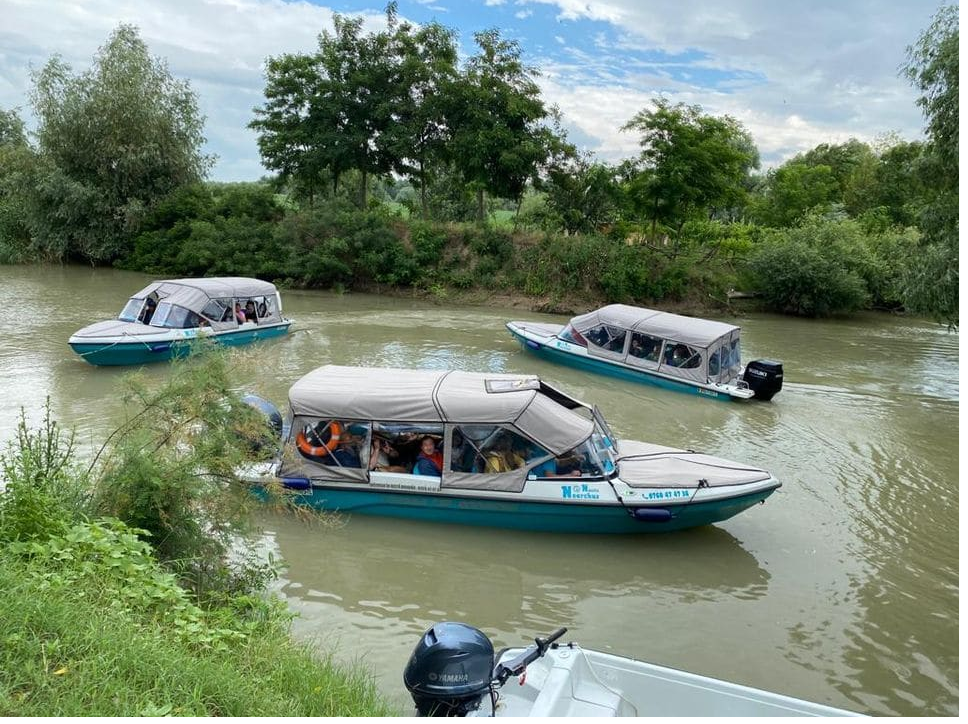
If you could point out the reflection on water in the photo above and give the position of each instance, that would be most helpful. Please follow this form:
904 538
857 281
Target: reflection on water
842 589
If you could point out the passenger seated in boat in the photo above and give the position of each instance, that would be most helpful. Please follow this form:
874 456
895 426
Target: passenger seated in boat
239 314
566 466
430 460
147 311
346 454
502 458
250 312
381 454
644 348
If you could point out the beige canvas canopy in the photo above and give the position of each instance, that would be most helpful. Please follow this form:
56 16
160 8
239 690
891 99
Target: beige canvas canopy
423 396
689 330
194 294
714 345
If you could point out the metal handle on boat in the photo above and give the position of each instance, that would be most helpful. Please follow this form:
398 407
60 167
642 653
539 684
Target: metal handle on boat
517 665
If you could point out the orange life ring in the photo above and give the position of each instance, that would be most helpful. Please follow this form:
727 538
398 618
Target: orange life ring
319 451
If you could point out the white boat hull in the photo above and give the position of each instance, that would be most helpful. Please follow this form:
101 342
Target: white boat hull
574 682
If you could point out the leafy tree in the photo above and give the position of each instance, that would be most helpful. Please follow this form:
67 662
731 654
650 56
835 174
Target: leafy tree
691 163
427 59
932 66
843 160
792 190
581 196
118 138
18 168
494 114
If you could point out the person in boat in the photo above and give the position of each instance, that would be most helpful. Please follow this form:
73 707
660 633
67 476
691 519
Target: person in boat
502 458
148 311
382 454
250 312
346 454
239 314
430 460
566 466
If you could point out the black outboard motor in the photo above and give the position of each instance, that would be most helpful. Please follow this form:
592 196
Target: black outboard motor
764 377
449 671
273 419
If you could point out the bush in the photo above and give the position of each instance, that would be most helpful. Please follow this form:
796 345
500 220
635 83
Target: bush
796 278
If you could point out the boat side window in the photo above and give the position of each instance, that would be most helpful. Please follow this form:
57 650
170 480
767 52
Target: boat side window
645 346
570 334
218 310
734 353
491 449
608 338
583 461
264 306
407 448
338 443
714 364
172 316
681 355
132 310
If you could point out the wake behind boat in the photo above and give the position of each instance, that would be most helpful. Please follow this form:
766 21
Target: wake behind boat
644 345
495 450
453 671
164 320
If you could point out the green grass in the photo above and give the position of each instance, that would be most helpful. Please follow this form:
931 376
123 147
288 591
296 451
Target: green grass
66 649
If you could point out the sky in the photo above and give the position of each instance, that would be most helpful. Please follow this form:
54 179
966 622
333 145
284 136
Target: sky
795 74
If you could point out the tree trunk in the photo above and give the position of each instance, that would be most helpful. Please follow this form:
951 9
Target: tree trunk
480 205
423 192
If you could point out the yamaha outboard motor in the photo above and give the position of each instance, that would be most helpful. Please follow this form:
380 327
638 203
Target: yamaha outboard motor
764 377
449 670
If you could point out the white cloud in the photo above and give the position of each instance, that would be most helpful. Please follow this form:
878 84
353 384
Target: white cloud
219 45
796 74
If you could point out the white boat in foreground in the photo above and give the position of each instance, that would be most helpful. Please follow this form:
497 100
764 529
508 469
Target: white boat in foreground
452 672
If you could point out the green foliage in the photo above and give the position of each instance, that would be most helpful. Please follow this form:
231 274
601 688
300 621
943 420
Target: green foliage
95 627
812 270
931 284
117 138
44 492
793 190
170 466
691 163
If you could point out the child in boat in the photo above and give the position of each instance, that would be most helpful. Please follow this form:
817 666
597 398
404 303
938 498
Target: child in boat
430 460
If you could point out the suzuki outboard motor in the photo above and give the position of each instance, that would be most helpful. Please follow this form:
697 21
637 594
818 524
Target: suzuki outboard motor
449 670
764 377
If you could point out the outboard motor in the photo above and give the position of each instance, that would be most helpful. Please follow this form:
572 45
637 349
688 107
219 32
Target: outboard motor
764 377
450 669
273 419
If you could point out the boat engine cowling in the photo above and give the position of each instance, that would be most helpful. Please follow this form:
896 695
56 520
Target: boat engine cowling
273 421
449 670
764 377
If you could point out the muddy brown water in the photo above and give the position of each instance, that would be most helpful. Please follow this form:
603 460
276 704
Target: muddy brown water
842 588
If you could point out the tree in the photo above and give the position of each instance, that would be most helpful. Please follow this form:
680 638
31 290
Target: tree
494 113
118 138
932 66
691 163
427 66
792 190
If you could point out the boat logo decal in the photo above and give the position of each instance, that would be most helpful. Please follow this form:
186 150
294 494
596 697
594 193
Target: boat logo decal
579 492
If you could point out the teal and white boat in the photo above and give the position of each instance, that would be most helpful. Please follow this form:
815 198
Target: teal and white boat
494 450
167 318
643 345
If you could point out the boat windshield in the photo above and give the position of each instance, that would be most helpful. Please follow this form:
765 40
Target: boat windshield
171 316
131 310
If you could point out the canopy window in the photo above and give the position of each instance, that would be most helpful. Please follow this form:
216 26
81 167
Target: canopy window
605 340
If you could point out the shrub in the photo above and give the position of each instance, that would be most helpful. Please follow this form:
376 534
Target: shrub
797 278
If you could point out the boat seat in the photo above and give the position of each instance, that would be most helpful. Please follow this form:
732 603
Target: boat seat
560 697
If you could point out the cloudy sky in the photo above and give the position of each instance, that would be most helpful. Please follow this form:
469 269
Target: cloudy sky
796 74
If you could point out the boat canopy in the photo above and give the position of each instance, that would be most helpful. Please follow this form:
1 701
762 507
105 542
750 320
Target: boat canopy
442 396
698 349
213 298
194 294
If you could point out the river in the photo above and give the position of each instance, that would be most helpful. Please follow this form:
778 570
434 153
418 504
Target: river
841 589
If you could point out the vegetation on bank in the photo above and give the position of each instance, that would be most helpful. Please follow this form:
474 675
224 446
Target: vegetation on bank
122 591
386 148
